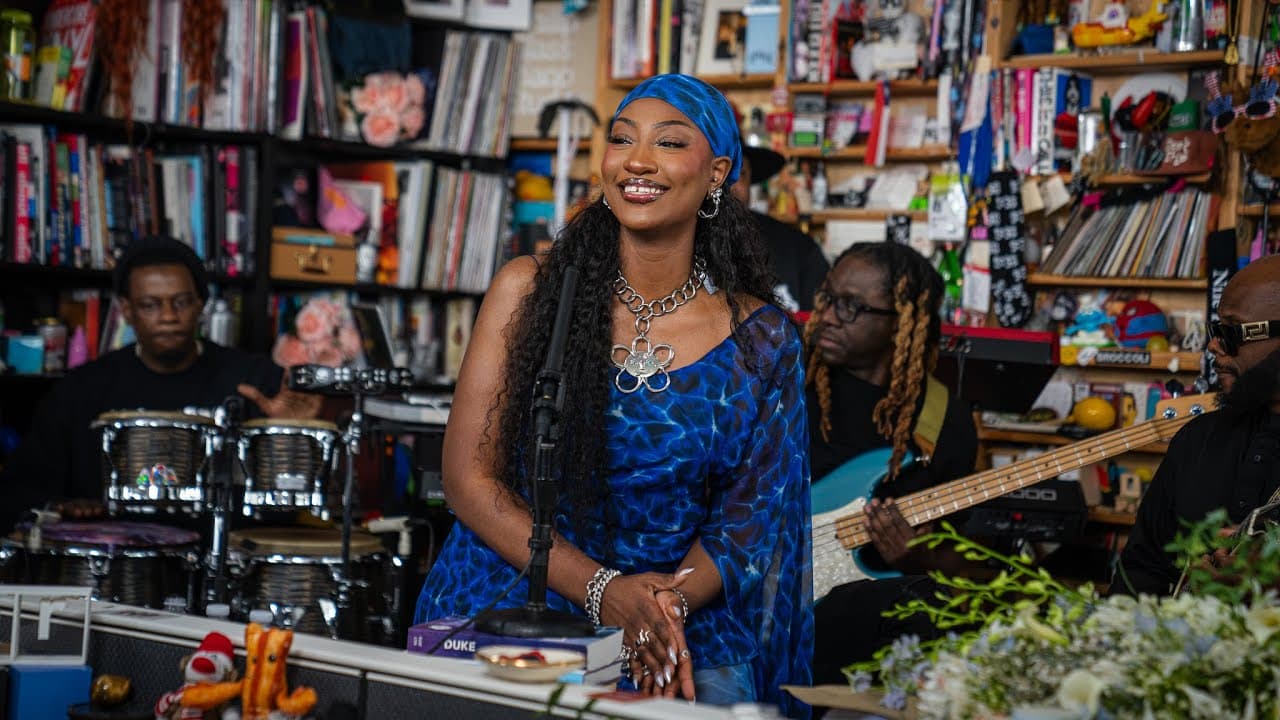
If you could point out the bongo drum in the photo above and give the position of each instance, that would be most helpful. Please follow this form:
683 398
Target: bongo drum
126 562
155 460
293 572
288 464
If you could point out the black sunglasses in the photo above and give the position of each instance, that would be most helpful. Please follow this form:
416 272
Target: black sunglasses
1233 335
847 309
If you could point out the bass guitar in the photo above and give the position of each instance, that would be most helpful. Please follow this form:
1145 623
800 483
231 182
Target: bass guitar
838 499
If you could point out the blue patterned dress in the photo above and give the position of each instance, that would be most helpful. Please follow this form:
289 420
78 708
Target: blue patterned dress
720 457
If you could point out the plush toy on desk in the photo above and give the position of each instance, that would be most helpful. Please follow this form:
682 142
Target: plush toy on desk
1247 119
264 691
211 663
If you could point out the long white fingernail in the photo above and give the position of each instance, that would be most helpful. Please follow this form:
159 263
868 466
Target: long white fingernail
685 571
671 653
658 679
666 671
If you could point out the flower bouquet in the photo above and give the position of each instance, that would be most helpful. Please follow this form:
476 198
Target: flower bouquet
1043 650
389 107
323 334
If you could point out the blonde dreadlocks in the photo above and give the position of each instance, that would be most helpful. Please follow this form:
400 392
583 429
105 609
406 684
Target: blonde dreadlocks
916 291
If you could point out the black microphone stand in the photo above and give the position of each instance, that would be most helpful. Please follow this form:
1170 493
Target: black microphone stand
535 619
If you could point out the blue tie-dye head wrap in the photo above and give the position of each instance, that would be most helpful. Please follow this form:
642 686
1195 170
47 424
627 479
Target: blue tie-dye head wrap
702 104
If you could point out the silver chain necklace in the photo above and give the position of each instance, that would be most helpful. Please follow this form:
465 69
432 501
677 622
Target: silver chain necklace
645 362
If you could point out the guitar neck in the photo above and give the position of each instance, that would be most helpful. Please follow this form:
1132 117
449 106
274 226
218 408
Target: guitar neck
942 500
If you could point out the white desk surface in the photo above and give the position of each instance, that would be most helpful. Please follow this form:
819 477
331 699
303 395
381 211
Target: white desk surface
461 678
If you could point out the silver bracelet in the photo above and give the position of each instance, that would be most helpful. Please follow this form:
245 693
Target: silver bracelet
684 605
595 592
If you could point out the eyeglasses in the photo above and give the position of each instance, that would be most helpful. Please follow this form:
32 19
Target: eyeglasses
153 306
1232 336
847 309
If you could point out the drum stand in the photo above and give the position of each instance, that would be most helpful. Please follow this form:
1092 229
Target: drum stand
357 384
352 437
220 489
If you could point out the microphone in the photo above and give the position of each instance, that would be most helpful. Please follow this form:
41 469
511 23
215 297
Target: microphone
535 619
549 396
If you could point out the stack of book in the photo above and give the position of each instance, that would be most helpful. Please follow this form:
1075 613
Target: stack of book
442 638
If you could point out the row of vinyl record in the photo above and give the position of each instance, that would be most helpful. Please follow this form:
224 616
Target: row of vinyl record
71 202
1150 235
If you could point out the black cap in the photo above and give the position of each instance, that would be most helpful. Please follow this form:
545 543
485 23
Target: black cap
159 250
765 163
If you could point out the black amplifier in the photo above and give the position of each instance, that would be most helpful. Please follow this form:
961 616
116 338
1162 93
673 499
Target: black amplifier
1051 511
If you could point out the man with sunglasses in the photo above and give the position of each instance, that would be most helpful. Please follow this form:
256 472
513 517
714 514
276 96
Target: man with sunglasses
161 286
872 341
1226 459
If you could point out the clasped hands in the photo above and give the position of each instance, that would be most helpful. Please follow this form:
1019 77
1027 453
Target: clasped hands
652 619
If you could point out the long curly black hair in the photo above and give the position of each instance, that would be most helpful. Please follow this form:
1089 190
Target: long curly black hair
737 264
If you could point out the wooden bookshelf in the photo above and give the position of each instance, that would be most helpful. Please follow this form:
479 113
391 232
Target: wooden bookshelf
928 153
528 144
1044 280
1121 62
1108 516
1258 210
369 289
103 127
1158 361
1133 179
823 216
853 88
759 81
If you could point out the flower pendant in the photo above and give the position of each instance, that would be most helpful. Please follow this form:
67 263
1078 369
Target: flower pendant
645 363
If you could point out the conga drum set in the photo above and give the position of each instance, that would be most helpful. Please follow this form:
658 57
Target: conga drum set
332 581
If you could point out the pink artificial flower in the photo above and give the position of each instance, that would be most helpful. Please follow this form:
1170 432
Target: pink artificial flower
313 323
412 120
290 351
364 99
380 128
332 311
414 88
349 342
328 355
394 95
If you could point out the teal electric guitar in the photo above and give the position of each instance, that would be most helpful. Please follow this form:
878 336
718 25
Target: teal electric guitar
838 499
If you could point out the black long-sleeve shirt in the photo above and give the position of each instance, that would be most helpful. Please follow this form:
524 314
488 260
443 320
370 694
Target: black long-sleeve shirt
1215 461
61 457
797 261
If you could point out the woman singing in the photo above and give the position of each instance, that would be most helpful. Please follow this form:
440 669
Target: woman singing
684 506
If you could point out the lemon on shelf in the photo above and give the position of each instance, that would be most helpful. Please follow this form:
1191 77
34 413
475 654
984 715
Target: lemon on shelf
1093 413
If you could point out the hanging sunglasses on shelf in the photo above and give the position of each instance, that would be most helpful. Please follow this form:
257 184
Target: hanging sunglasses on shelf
1261 104
1233 335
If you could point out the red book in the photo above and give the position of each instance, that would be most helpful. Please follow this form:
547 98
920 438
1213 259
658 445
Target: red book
23 203
71 24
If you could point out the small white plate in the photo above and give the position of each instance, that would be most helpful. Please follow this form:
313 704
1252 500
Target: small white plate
509 662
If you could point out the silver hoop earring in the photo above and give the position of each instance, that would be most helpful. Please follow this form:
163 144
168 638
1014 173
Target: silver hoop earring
715 199
605 200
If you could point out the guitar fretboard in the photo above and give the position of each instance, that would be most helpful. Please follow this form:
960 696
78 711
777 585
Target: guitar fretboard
942 500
